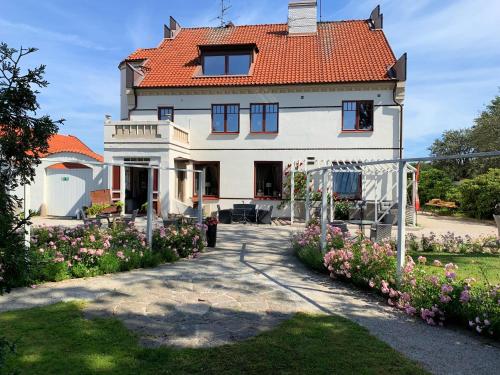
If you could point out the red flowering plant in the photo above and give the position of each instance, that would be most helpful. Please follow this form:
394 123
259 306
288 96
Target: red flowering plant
212 220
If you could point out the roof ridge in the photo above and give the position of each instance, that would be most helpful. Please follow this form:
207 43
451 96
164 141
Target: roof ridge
265 24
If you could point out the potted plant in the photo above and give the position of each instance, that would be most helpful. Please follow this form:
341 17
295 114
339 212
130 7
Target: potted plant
119 206
211 223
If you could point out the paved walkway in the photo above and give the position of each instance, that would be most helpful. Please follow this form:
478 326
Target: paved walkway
250 283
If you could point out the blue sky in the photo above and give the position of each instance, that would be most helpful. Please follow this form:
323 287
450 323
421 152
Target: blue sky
453 49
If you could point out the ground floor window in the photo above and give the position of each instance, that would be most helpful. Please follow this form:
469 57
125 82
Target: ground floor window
268 179
212 178
347 185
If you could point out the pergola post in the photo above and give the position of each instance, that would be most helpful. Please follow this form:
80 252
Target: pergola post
324 207
149 227
27 205
332 207
307 197
401 218
292 194
201 188
122 187
414 197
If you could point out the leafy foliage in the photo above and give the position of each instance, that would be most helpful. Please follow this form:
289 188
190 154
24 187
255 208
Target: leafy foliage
7 349
23 141
481 194
434 183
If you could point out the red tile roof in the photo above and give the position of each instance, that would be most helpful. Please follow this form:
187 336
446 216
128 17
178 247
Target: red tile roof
69 143
345 51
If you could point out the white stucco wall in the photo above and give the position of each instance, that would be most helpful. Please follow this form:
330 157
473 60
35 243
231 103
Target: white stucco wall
38 189
309 126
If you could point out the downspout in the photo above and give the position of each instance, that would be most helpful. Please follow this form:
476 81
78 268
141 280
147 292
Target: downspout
135 103
400 120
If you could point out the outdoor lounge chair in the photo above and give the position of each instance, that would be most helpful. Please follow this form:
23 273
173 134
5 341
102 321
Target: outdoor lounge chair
264 214
380 232
131 219
225 216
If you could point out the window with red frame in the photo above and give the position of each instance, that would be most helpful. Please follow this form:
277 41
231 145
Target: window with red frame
268 179
264 118
357 116
212 177
225 118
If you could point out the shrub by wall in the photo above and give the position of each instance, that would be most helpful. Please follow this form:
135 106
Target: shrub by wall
479 195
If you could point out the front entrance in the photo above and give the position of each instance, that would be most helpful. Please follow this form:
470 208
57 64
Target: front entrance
136 189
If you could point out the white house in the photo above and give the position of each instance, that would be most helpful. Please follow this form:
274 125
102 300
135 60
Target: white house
245 101
65 177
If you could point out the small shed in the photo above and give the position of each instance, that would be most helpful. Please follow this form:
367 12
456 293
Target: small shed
67 174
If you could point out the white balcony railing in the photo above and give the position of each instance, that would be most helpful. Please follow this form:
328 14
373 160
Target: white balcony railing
150 131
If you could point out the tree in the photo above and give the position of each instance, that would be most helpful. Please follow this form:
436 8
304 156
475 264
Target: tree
485 134
454 142
23 141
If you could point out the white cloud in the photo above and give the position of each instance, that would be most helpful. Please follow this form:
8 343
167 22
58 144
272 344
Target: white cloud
71 39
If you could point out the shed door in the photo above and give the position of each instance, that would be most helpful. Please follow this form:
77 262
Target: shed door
68 188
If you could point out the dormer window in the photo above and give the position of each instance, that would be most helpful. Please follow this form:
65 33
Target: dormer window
226 60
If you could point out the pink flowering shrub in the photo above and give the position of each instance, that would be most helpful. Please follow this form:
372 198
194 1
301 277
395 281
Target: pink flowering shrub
435 299
58 253
173 243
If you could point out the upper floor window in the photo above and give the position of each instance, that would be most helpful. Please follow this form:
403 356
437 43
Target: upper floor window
230 63
264 118
166 113
357 116
225 118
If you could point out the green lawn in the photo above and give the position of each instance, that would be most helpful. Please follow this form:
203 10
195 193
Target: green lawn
479 266
57 340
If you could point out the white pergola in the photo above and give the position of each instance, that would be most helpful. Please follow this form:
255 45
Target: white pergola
372 172
401 166
150 167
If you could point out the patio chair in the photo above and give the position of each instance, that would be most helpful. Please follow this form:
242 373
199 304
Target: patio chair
342 225
131 219
89 221
264 214
380 232
225 216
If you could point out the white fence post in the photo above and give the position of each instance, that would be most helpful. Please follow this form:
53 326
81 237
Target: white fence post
27 205
307 198
324 208
149 227
292 195
401 218
332 205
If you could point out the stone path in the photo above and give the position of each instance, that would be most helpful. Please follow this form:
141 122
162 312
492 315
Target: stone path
248 284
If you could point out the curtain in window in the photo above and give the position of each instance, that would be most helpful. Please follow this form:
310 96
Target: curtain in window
347 184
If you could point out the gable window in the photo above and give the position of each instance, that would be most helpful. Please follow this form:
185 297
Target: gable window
166 113
227 63
264 118
212 178
347 185
268 179
225 118
357 116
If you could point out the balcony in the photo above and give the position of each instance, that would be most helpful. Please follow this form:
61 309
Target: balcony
146 131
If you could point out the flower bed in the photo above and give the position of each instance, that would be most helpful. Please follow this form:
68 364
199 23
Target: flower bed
436 299
450 243
59 253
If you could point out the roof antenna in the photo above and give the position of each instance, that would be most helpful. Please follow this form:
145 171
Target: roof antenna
223 12
320 11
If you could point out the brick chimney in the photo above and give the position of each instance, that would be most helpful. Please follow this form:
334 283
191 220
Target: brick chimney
302 17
